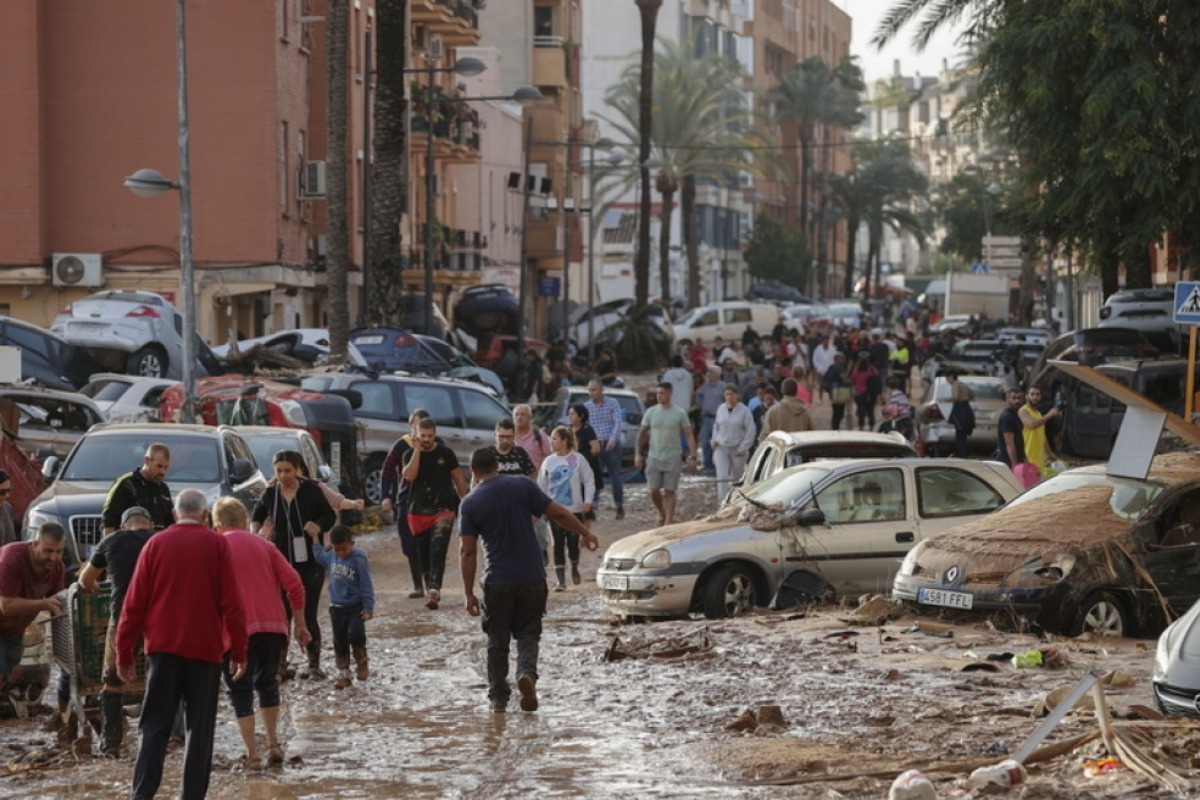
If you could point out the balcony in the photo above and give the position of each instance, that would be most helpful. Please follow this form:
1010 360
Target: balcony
550 66
544 238
455 126
455 21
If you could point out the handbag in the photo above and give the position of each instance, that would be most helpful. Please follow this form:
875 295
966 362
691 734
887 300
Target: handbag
840 394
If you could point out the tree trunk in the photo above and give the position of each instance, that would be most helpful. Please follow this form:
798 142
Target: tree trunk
389 181
851 246
664 244
687 208
805 177
1138 269
337 235
641 270
1025 284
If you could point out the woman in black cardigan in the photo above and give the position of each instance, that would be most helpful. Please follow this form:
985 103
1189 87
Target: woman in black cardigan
291 508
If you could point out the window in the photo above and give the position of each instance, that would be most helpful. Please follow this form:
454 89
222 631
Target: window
707 318
543 21
737 315
282 166
871 496
763 464
1184 530
437 400
377 400
480 411
946 491
27 339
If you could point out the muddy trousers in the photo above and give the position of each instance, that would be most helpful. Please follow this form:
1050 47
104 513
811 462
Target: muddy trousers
565 544
171 679
264 651
346 625
408 545
432 546
512 612
312 575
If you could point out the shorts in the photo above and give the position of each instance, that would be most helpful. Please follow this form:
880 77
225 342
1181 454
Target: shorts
663 473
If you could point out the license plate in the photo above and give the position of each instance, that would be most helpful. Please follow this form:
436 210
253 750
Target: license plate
618 583
942 597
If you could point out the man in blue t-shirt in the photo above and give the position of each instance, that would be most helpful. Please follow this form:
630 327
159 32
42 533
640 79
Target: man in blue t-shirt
500 510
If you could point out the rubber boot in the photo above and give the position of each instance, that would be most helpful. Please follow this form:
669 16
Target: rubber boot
576 578
362 669
560 574
315 672
343 678
112 722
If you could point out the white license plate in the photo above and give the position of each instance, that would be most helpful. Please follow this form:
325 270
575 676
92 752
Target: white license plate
618 583
942 597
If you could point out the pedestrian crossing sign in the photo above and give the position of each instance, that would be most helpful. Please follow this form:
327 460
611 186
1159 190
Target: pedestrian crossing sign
1187 303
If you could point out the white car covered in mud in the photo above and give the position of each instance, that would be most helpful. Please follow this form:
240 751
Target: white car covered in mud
825 526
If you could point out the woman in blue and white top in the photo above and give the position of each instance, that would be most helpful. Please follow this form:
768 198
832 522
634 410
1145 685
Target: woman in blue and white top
567 478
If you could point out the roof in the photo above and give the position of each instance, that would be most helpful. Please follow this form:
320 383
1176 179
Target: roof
165 429
813 437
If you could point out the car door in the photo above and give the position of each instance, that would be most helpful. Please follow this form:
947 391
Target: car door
1090 432
382 419
869 527
1172 558
948 496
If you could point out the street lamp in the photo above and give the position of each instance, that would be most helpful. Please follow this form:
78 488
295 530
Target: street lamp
151 183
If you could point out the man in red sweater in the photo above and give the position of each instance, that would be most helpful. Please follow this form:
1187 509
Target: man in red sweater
184 599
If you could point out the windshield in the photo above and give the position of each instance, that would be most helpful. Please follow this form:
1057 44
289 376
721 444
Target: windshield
787 488
1128 499
194 459
264 447
686 320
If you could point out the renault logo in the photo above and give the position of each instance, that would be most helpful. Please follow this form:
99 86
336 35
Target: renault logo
951 575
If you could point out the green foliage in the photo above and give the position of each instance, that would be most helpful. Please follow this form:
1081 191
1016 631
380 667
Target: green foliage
641 346
778 252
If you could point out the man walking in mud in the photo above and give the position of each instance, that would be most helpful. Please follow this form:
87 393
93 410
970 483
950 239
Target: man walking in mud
500 512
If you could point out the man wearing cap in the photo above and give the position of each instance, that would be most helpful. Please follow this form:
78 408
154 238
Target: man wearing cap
709 398
114 558
143 487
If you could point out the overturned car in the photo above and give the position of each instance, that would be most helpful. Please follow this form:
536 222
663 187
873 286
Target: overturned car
1083 551
825 526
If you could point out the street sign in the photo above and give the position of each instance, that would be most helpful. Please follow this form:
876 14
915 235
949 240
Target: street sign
980 268
549 286
1187 303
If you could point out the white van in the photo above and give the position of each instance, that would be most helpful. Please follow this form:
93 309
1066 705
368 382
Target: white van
727 320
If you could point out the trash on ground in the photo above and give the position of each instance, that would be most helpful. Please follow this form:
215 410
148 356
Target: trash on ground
912 785
661 647
873 610
1100 766
1007 773
931 629
768 719
1028 659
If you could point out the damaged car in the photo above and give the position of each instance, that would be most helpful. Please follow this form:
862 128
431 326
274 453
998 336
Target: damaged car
838 527
1083 551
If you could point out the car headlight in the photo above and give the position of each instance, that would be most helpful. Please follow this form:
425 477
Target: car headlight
659 559
908 567
1162 655
293 412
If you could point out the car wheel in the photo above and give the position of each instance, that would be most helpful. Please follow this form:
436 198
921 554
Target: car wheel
729 592
1104 614
149 362
373 481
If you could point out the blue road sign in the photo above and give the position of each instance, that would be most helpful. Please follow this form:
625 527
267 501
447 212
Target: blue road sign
1187 303
980 268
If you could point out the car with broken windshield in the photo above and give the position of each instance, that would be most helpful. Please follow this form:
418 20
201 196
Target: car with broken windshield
824 527
782 449
1083 551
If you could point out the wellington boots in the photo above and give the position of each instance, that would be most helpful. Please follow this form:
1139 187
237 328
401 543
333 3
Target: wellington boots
314 672
112 722
343 678
576 578
362 670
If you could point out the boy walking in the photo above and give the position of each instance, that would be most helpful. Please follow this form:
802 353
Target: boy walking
351 601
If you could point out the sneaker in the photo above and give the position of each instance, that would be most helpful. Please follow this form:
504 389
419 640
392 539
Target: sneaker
315 673
528 689
435 597
558 587
275 756
620 513
576 578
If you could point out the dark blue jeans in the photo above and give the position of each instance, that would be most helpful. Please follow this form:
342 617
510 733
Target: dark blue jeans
512 612
346 624
171 679
611 461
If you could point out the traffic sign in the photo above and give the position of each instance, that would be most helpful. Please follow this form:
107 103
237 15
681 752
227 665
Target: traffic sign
1187 303
980 268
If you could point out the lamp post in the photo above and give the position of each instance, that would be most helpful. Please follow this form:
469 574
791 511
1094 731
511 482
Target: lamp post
151 183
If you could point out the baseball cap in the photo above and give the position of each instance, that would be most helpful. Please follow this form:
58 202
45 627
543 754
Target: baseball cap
135 511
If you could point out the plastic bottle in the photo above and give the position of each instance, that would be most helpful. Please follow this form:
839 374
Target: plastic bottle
912 785
1006 773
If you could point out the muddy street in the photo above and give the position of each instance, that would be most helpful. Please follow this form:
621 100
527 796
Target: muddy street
855 700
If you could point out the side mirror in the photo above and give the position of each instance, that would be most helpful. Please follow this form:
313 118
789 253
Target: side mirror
324 473
241 471
810 517
50 467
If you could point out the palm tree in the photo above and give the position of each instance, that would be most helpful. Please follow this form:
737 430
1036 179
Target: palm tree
648 9
699 132
879 191
816 95
337 235
388 187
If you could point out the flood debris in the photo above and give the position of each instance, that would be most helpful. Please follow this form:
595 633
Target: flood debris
768 719
931 629
660 647
874 610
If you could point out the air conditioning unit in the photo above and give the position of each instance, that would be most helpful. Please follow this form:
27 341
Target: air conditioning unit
77 269
436 48
313 185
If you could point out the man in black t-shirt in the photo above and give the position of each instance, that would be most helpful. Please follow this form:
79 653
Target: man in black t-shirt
436 484
511 458
143 487
116 556
1010 431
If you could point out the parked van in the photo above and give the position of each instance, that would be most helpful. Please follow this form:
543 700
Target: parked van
727 320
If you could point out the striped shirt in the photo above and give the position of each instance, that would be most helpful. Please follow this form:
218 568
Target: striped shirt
605 419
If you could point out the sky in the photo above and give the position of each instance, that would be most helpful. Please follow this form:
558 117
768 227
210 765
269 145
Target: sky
876 64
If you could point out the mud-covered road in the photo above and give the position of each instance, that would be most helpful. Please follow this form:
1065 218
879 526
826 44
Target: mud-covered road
860 704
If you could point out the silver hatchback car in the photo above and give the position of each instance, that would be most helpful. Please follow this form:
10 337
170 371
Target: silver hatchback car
140 333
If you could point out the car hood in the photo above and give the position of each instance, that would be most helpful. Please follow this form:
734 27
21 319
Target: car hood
69 498
639 544
1014 544
1181 641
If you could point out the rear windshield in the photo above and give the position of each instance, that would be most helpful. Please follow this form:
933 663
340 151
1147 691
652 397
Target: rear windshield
803 455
